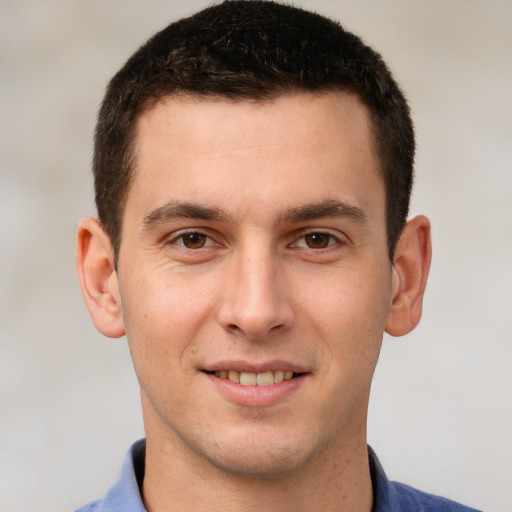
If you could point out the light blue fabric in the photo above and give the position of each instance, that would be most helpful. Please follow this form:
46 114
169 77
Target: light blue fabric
396 497
124 496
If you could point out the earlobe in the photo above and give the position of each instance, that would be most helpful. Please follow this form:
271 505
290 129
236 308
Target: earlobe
98 278
410 271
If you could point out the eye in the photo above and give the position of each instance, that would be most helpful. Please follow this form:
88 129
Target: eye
194 240
316 240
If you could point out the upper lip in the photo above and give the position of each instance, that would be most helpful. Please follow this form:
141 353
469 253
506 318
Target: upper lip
253 367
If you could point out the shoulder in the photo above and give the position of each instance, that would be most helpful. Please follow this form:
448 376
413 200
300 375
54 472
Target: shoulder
419 501
390 496
124 496
93 506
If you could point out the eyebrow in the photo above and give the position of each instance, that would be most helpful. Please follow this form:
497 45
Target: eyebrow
184 210
189 210
331 208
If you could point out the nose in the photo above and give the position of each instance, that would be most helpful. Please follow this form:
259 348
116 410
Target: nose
255 299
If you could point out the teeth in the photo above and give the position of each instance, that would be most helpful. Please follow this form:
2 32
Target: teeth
248 379
265 379
255 379
233 376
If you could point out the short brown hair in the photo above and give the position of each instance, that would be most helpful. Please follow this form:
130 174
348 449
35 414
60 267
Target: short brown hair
251 50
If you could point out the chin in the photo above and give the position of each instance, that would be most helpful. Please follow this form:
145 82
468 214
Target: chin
259 462
266 455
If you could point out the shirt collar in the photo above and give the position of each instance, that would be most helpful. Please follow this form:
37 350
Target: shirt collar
383 492
125 495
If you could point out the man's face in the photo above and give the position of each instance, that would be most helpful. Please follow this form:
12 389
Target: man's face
254 249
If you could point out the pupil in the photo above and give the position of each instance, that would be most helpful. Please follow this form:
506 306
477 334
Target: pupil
317 240
195 240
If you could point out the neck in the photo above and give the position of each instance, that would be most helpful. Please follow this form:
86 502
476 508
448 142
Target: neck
336 480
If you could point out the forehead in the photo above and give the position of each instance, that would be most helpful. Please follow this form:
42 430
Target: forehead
299 146
312 116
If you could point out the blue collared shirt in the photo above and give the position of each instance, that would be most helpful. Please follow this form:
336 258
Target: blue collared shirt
388 496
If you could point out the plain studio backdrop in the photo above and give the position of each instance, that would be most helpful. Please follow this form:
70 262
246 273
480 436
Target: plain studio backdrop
440 413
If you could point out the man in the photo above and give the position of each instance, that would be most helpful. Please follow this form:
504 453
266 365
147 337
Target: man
253 166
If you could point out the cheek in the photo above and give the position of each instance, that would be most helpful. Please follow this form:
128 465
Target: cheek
348 309
162 317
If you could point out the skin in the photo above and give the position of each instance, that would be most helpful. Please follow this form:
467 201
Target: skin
287 266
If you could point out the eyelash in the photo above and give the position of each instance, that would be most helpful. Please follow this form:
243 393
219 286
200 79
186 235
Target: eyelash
208 241
332 240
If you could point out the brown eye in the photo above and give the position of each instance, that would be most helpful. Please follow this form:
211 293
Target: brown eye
194 240
318 240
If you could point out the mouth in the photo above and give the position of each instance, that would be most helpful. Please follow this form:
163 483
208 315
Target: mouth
244 378
262 384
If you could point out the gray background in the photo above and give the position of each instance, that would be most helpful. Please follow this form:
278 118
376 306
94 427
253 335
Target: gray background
441 410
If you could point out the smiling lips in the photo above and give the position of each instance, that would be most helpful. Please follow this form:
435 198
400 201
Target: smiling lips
255 379
256 385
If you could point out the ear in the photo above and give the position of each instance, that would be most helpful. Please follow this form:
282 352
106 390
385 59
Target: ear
410 271
98 278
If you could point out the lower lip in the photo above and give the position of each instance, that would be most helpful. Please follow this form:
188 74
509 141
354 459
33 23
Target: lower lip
257 396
